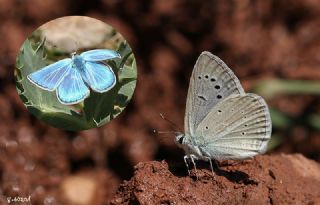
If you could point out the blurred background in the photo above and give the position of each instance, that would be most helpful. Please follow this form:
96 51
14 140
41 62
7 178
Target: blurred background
272 46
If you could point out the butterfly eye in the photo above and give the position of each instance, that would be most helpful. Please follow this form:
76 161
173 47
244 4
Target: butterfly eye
180 140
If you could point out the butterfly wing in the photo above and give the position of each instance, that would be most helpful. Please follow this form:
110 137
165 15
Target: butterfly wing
72 89
49 77
99 55
211 82
239 127
98 76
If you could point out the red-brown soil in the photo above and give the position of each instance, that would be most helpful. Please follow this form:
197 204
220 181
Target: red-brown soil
273 179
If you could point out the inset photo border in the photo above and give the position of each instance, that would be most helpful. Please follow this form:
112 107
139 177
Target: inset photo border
75 73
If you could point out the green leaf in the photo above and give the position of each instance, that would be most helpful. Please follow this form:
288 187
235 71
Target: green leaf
125 51
41 103
275 141
128 89
314 121
28 62
100 108
273 87
279 119
128 73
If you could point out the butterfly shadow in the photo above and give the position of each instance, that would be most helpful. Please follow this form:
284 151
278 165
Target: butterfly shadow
236 176
204 170
175 165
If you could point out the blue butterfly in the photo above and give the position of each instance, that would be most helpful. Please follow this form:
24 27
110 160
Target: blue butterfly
72 77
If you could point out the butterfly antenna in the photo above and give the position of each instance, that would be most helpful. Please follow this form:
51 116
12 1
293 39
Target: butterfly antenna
164 137
76 47
165 132
172 124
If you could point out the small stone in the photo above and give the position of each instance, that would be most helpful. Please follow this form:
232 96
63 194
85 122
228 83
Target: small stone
79 190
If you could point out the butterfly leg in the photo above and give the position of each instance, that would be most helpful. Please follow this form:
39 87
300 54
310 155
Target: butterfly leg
185 158
193 157
210 161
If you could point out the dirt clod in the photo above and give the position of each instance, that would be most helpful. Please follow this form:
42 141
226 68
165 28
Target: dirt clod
268 179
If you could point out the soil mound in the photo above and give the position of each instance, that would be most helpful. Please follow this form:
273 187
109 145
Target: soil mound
267 179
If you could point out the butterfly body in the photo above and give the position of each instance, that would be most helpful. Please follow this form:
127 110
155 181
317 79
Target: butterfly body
222 122
78 63
189 145
72 77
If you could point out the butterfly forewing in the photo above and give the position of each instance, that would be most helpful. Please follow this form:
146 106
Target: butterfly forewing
49 77
239 127
211 82
100 55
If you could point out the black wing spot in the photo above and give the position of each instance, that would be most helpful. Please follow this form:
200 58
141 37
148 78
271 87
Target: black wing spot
246 125
202 98
217 87
199 77
206 76
243 133
213 79
219 96
219 110
207 127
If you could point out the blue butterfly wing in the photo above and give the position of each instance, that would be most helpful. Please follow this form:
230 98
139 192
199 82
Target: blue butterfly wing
72 89
49 77
98 76
99 55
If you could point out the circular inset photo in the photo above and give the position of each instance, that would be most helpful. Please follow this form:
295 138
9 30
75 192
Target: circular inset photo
75 73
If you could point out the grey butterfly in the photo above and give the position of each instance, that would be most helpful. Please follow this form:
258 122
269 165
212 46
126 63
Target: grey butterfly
222 121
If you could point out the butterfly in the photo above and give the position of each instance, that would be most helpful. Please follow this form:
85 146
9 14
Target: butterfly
72 77
221 121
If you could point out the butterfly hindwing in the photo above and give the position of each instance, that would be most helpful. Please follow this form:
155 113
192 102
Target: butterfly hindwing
98 76
49 77
239 127
99 55
72 89
211 82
